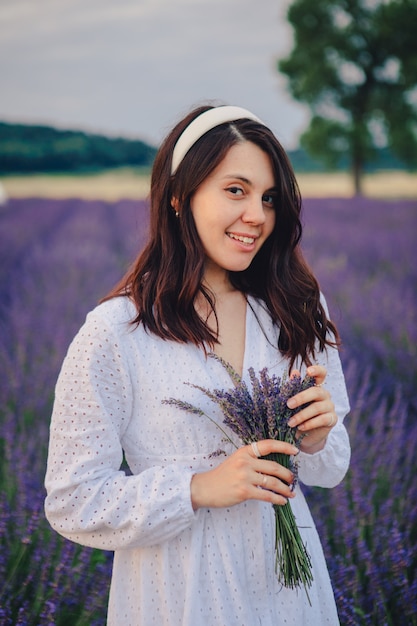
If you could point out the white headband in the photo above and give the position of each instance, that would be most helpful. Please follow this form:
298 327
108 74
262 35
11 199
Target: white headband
202 124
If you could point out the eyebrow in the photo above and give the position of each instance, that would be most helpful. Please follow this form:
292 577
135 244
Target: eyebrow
239 177
247 181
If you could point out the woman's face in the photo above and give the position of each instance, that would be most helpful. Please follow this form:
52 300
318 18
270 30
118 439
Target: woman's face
233 209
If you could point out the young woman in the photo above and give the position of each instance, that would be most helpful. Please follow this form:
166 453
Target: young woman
222 272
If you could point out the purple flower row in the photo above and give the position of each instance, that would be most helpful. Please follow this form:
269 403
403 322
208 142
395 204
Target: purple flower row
59 257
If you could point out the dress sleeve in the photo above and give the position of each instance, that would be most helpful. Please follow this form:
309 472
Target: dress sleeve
328 467
89 499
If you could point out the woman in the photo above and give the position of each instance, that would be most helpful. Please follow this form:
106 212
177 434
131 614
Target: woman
222 272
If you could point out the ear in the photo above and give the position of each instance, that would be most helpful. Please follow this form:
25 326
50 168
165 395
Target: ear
175 205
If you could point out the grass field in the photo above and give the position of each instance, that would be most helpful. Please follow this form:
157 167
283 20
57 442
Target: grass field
127 183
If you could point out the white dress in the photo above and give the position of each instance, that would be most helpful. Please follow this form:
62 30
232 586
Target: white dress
174 566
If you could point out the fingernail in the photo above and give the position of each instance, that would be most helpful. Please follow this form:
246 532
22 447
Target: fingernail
295 451
291 403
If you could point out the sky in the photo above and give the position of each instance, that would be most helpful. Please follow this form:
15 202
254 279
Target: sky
133 68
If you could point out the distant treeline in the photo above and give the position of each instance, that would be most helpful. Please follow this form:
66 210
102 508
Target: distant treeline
26 148
383 159
31 149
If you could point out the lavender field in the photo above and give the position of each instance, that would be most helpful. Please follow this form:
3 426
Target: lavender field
57 258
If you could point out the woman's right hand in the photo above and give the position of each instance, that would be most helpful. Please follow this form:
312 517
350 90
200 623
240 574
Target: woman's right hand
244 476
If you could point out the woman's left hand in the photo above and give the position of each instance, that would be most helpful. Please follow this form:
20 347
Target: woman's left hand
316 420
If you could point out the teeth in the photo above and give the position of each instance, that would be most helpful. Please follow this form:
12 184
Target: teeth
242 239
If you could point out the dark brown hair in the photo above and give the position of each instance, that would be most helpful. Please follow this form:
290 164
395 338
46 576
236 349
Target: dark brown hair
167 275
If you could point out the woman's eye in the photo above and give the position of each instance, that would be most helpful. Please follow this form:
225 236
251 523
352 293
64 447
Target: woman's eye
269 199
236 191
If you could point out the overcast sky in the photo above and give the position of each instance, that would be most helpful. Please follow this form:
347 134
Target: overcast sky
133 67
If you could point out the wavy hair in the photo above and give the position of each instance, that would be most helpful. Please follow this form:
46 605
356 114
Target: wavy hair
167 276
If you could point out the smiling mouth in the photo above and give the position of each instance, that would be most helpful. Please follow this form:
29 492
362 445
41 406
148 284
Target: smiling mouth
241 238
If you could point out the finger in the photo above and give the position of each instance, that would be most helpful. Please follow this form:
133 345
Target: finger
264 447
332 421
318 372
255 449
325 420
312 394
270 483
266 495
270 489
313 409
275 470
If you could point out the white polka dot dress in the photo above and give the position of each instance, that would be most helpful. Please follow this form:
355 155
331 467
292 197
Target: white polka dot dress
174 566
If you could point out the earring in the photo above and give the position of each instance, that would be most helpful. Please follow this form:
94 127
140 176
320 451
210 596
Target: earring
177 214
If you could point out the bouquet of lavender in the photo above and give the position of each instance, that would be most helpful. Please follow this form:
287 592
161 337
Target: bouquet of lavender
264 414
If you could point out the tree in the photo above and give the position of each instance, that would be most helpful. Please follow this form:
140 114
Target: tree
354 62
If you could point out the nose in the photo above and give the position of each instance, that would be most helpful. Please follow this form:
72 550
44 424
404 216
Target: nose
254 212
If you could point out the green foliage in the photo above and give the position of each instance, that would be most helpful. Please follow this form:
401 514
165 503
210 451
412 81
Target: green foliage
354 62
35 149
26 148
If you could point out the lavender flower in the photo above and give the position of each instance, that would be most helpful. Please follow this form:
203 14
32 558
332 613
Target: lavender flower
262 413
58 256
